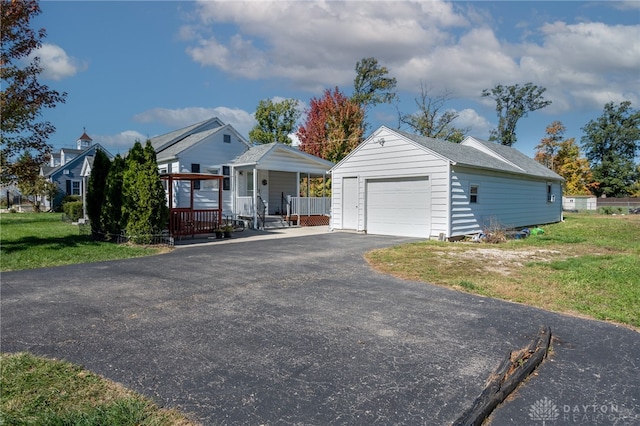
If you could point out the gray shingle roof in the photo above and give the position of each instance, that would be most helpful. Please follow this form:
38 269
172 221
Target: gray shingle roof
506 159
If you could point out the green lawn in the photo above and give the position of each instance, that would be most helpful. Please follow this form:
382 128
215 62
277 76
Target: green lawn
36 240
588 265
39 391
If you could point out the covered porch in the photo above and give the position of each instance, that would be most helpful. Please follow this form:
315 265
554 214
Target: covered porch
280 180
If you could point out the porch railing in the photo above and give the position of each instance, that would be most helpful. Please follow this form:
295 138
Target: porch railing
190 222
309 206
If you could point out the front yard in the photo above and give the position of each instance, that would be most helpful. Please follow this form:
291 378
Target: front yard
587 265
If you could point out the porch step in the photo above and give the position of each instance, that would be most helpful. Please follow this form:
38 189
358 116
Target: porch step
275 222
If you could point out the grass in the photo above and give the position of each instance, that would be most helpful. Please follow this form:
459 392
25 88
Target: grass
586 265
39 391
36 240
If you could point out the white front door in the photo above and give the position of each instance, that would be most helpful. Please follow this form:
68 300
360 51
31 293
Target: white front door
350 203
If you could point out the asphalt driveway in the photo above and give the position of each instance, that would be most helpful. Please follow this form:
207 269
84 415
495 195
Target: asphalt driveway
302 331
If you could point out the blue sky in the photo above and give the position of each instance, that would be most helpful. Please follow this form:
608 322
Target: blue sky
134 70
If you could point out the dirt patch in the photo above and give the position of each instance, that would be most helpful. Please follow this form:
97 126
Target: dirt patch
503 261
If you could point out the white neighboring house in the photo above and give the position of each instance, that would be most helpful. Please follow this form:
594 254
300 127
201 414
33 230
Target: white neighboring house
397 183
70 169
255 180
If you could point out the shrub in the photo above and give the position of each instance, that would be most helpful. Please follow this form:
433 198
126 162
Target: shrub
73 209
606 210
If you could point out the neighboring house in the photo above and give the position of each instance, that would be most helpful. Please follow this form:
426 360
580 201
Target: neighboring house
255 179
396 183
70 169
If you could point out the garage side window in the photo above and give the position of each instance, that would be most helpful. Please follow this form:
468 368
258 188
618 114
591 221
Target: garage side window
550 196
473 194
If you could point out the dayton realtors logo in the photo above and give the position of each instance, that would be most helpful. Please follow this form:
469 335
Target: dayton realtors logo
546 410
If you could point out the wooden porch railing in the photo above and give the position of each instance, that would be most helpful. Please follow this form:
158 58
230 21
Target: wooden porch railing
184 221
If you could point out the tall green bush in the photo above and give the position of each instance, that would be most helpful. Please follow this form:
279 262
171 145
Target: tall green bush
144 206
111 213
95 192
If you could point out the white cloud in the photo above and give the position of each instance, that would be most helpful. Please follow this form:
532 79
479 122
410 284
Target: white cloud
121 142
452 46
174 119
55 62
478 125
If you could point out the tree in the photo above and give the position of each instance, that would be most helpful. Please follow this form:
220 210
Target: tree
96 194
548 147
573 168
276 121
611 144
111 212
23 97
371 86
145 204
513 103
332 128
431 120
26 171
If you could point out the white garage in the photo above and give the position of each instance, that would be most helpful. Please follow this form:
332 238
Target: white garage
397 183
398 206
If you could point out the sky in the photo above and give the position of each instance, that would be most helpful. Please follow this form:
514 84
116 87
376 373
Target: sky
136 69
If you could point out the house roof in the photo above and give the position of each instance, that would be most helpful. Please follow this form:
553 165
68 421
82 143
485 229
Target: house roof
162 142
260 153
486 155
51 171
84 137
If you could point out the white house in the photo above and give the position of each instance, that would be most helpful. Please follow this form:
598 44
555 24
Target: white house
397 183
255 180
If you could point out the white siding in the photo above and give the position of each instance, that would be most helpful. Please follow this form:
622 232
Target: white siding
511 200
279 183
396 157
210 153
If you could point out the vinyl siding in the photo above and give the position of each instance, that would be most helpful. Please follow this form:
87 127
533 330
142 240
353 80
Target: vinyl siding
395 158
509 200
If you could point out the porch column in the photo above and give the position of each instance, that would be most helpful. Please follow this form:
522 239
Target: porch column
308 194
255 198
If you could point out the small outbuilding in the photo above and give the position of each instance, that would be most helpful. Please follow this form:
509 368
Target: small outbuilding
397 183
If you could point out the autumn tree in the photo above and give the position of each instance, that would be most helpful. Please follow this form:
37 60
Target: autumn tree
573 168
547 149
611 143
276 121
513 103
22 98
372 86
332 128
432 119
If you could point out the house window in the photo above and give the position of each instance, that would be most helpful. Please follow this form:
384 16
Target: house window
195 168
226 183
226 171
226 138
550 196
75 187
473 194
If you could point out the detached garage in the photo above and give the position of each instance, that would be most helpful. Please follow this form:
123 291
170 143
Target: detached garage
396 183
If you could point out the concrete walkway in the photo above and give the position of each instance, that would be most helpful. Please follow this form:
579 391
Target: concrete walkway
300 330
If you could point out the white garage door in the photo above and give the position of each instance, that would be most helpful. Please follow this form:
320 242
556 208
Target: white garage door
399 207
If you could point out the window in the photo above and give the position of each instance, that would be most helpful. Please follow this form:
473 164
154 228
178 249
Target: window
75 187
226 183
473 194
550 196
250 183
226 171
226 138
195 168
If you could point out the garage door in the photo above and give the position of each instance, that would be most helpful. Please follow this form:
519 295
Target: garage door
399 207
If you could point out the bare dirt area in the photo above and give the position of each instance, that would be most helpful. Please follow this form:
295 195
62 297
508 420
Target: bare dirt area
503 261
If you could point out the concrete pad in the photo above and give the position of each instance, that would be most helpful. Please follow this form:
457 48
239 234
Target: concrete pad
301 331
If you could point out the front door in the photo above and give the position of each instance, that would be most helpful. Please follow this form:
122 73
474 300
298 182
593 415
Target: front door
350 203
